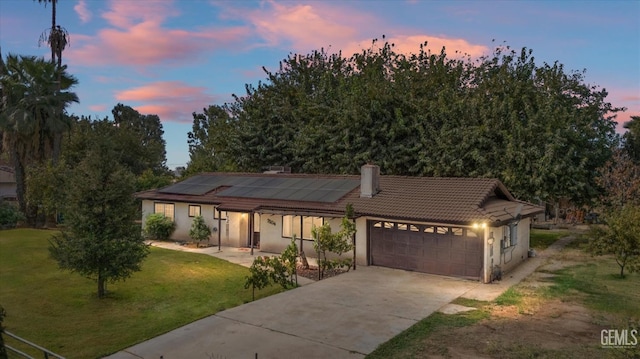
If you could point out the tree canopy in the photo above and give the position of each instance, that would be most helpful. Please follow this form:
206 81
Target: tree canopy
539 128
101 239
32 119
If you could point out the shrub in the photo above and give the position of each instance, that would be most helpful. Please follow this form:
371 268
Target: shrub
199 230
9 215
158 227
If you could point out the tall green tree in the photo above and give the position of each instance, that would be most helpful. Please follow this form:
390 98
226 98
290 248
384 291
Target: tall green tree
141 137
101 239
30 119
539 128
212 141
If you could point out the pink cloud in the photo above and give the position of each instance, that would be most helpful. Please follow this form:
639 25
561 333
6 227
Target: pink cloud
83 11
170 100
624 97
98 107
305 27
137 37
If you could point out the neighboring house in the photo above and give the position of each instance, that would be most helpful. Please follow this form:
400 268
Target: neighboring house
463 227
8 183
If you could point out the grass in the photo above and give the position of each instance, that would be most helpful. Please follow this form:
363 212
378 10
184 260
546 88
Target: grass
541 239
409 343
60 311
598 286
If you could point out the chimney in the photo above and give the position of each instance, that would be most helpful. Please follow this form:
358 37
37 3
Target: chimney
369 180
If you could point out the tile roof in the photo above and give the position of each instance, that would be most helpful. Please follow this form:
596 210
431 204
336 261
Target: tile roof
423 199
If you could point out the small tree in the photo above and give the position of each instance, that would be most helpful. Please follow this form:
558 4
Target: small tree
259 276
158 226
338 243
620 236
274 270
199 230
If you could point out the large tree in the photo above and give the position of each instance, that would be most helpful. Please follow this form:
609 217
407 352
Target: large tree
101 239
539 128
212 141
30 118
141 137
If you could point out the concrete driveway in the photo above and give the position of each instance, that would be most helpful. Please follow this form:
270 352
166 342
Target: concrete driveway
342 317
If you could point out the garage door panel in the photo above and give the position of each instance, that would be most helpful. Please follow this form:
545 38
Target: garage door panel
440 252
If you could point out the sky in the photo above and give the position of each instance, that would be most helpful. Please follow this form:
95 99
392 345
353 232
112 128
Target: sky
173 58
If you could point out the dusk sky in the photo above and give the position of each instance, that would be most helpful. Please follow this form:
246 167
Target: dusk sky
173 58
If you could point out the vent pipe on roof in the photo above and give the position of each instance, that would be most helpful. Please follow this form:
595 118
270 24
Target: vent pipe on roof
369 180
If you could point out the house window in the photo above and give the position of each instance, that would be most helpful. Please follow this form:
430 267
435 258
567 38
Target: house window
413 228
510 235
442 230
429 229
308 223
402 227
222 215
456 231
167 209
298 225
194 211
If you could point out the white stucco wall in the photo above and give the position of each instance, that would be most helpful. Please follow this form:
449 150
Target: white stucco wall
508 258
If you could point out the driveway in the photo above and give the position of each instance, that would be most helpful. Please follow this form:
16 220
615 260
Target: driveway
346 316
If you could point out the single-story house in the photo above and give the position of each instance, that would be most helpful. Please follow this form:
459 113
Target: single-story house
8 186
463 227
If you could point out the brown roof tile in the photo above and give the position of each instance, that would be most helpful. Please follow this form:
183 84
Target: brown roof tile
424 199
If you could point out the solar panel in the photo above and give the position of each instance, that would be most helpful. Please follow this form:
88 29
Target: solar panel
291 189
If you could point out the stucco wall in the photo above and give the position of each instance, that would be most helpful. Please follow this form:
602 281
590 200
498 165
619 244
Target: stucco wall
506 258
272 241
229 230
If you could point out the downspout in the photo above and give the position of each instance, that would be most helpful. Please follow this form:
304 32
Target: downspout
353 238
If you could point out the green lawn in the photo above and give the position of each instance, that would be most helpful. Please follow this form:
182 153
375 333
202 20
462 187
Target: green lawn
543 238
60 311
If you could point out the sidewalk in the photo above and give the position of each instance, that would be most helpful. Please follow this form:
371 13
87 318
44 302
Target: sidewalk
489 292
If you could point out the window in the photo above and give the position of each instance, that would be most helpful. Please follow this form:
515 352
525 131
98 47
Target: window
402 227
299 226
456 231
308 223
510 235
168 209
442 230
194 211
223 214
413 228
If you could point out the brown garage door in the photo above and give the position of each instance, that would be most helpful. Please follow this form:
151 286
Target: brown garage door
445 250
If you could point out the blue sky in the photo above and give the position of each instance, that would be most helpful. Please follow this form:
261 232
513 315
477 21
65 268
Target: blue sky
173 58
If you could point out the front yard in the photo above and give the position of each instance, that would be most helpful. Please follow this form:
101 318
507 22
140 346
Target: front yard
59 310
559 311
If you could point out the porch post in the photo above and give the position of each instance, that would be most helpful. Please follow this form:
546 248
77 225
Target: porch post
251 230
219 227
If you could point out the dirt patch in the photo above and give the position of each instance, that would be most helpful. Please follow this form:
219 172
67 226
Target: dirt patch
312 272
555 330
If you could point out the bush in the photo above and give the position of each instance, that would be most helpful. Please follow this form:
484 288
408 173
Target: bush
199 230
9 215
158 227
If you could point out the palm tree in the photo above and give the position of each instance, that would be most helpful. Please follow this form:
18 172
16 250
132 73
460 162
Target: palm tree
31 117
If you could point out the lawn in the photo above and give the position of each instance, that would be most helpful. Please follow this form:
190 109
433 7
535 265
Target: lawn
60 311
543 238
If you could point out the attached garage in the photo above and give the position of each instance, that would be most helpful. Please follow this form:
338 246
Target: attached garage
444 250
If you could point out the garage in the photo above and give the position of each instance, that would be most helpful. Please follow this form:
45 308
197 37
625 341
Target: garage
434 249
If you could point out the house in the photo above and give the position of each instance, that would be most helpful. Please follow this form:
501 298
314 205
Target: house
8 184
462 227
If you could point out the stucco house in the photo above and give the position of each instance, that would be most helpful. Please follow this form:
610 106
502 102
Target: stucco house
8 184
462 227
